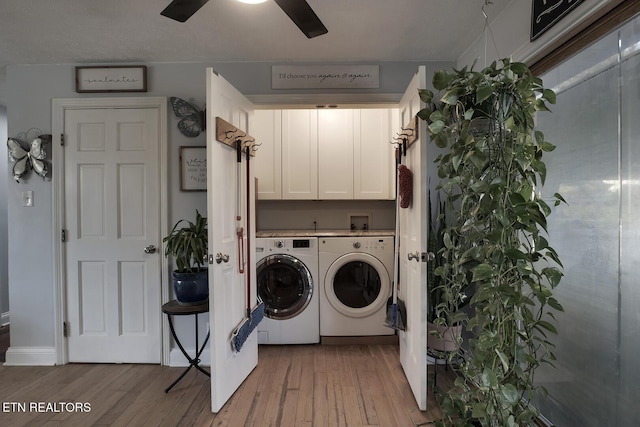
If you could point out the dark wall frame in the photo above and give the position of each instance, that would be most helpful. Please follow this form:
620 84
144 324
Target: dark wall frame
585 34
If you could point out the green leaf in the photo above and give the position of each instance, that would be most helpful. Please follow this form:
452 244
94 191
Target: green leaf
555 304
489 378
503 359
510 394
483 93
514 253
482 272
549 95
468 114
547 146
424 114
519 68
426 95
441 79
540 105
436 127
548 326
559 198
540 243
452 95
553 275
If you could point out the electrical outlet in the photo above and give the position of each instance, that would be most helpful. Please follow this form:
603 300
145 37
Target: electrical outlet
27 198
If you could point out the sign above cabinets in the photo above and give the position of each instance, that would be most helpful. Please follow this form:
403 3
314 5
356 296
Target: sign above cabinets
325 77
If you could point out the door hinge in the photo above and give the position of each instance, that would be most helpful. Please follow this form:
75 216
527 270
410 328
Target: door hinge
65 329
63 235
62 139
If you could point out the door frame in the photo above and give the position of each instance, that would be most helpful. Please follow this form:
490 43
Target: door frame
59 106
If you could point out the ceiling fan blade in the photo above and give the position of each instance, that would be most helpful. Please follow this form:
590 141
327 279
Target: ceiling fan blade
303 16
181 10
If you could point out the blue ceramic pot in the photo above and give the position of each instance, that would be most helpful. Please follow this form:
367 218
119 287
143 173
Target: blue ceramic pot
191 288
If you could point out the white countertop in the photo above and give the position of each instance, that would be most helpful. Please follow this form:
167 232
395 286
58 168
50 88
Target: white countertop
324 233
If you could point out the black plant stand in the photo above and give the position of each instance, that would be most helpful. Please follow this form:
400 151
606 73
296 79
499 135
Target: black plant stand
173 308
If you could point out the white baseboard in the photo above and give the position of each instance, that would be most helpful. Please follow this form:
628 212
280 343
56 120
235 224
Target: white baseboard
30 356
177 359
5 318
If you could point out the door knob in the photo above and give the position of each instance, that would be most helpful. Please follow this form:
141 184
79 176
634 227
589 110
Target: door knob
151 249
220 257
412 256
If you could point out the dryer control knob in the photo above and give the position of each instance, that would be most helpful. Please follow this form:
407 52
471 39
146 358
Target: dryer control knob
279 244
356 245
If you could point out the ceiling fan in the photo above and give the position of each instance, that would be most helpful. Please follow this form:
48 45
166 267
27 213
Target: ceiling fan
298 10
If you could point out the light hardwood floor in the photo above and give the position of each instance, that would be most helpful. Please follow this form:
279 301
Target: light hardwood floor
302 385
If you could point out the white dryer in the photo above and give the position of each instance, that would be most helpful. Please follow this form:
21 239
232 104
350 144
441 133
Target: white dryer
287 272
356 283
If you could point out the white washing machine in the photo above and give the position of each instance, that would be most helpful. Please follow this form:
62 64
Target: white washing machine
287 272
356 283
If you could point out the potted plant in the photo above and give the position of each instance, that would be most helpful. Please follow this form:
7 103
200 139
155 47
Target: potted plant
188 246
491 171
444 333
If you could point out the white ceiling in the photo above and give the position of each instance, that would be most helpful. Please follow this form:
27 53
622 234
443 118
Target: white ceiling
117 31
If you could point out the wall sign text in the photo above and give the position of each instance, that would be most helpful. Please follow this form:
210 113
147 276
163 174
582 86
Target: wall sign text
325 77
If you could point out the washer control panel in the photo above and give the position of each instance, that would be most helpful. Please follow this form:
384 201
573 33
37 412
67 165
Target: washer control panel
365 244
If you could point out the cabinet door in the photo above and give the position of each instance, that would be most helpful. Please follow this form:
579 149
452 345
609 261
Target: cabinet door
267 130
372 166
335 154
299 154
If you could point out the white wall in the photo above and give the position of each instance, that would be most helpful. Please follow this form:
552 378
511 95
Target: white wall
328 214
511 32
4 276
31 235
29 91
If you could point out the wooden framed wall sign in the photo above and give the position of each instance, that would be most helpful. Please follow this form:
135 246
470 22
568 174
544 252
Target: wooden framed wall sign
193 168
546 13
126 78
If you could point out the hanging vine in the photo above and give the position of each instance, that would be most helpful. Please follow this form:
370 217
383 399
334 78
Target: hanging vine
491 174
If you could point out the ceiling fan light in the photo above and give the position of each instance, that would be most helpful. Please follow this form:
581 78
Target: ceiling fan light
252 1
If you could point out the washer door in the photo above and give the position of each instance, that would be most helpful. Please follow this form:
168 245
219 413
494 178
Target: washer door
357 284
284 285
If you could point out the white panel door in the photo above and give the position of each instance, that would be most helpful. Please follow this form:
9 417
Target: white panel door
112 205
413 240
227 287
335 154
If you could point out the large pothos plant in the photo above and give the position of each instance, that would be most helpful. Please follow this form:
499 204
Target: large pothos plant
491 172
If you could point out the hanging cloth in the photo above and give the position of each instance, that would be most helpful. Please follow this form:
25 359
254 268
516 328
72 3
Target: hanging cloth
405 184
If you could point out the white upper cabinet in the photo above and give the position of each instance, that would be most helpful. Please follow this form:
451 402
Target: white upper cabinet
335 154
373 165
299 154
267 131
339 154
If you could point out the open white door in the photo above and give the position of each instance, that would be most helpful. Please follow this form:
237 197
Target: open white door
227 286
413 240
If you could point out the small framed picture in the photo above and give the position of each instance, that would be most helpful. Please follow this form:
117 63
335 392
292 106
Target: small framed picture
95 79
193 168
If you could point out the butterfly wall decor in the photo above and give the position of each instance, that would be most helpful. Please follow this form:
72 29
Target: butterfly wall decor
192 119
30 158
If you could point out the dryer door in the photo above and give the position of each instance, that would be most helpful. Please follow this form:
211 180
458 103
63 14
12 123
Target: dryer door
357 284
285 286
